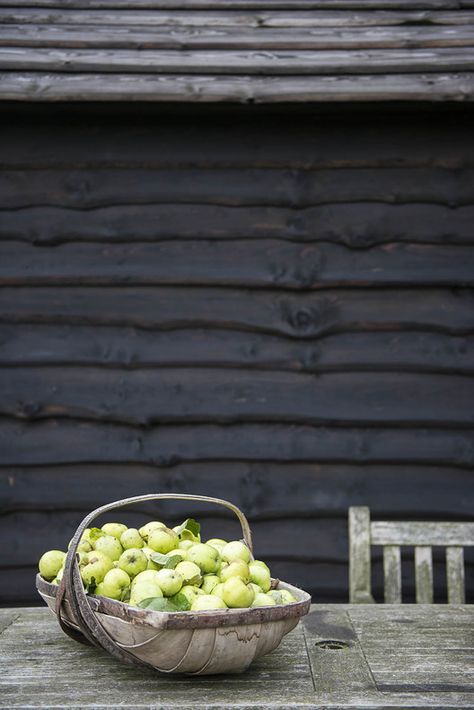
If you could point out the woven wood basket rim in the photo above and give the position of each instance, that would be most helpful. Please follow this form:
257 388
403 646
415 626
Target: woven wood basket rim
191 619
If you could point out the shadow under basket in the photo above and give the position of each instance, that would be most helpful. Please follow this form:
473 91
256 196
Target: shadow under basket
190 642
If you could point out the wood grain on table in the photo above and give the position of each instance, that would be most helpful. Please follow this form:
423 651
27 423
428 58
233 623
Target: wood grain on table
340 656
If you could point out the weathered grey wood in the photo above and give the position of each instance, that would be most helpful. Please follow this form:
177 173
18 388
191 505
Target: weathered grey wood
455 574
283 679
241 4
156 688
283 62
62 441
424 574
336 656
408 533
392 568
37 86
142 397
422 536
259 263
359 555
423 653
260 19
228 38
132 347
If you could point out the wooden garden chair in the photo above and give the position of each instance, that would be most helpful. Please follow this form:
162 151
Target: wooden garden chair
392 535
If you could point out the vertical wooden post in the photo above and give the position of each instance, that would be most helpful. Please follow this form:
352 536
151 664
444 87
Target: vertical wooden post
392 572
424 574
359 556
455 575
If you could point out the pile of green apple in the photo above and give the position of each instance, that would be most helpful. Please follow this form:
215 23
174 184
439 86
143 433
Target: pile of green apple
166 569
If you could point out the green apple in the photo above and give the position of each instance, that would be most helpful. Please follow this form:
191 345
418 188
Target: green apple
261 576
85 535
84 546
186 534
256 588
235 550
145 530
261 564
276 595
114 529
170 581
133 561
287 596
263 600
217 591
163 540
207 602
147 589
145 576
50 563
237 594
131 538
238 568
189 571
110 546
209 582
58 577
185 544
217 542
191 592
151 565
115 584
205 556
99 590
83 558
97 566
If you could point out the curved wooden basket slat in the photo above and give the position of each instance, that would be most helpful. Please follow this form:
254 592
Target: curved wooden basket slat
200 643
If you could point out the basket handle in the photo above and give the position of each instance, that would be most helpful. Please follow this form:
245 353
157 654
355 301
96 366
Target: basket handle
71 584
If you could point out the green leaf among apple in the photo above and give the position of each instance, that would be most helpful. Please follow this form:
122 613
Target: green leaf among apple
168 569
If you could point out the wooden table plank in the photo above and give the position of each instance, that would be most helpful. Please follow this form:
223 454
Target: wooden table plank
409 648
233 18
64 670
38 86
105 36
207 62
375 656
240 4
335 654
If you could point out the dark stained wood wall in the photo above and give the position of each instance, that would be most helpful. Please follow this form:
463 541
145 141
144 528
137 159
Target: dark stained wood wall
275 307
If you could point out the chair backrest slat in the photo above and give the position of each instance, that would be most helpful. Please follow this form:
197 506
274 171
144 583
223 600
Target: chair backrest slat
392 572
424 574
392 536
390 533
359 544
455 575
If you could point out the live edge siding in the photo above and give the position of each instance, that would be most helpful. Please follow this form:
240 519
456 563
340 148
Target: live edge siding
272 306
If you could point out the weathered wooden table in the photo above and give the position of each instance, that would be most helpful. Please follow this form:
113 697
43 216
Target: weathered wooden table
340 656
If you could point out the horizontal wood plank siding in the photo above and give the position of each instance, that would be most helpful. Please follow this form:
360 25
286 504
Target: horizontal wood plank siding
272 307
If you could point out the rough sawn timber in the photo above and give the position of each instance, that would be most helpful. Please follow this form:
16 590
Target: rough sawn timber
336 658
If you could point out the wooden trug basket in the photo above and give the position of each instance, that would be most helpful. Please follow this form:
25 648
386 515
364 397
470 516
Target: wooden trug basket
197 643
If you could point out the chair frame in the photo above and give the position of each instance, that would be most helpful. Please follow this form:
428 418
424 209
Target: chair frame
363 533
